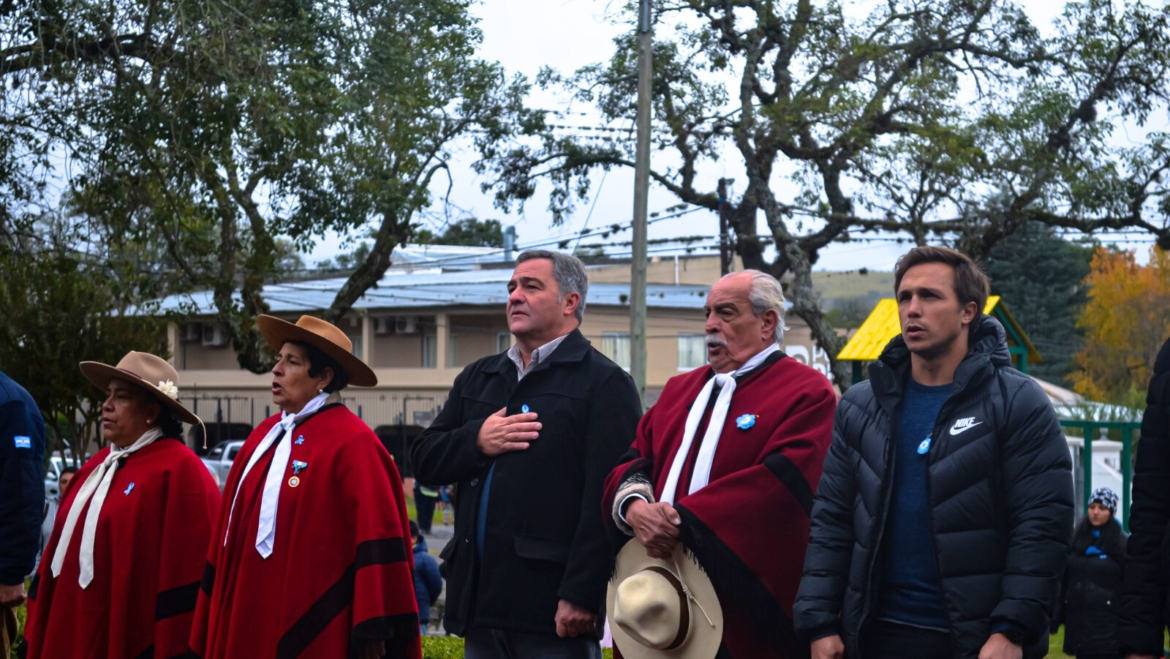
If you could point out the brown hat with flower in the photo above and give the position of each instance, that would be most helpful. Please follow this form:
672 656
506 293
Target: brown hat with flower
324 336
153 374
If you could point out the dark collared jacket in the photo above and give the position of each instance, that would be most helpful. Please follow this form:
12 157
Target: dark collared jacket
544 540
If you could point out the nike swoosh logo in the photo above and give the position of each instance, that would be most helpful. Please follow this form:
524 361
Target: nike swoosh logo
956 431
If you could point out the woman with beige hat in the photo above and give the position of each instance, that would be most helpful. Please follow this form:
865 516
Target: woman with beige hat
311 556
121 570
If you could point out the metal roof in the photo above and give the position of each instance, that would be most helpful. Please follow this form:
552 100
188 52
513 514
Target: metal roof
884 324
417 290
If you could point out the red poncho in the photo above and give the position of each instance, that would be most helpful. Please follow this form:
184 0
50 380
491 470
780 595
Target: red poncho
748 528
340 573
148 559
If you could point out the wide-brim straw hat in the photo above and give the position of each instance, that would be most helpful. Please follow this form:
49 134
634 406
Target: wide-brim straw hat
322 335
153 374
662 609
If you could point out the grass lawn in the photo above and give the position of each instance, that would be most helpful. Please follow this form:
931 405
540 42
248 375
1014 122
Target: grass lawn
436 519
1056 643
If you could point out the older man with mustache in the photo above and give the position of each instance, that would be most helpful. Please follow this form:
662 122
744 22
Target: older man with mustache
726 463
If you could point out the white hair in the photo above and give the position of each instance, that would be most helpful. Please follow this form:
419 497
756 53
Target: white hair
766 294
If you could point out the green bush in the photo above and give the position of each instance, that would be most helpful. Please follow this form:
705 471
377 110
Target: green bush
451 647
442 647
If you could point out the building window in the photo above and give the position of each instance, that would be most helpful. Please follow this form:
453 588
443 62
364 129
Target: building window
503 341
616 346
356 340
430 355
692 351
452 350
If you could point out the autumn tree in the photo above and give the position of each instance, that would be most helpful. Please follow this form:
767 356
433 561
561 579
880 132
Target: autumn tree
950 121
1126 320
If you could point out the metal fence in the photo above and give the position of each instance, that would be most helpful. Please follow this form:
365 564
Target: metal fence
1089 430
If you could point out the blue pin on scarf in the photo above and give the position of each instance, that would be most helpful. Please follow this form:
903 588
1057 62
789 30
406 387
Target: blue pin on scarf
297 466
300 440
924 447
129 490
746 421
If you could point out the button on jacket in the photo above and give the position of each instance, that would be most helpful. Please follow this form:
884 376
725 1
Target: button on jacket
543 536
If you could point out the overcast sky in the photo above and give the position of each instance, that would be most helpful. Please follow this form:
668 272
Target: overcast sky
525 35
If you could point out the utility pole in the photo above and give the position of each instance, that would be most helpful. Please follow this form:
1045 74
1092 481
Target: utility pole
724 228
641 190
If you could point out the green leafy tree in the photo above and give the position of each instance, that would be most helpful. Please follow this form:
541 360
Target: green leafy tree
469 232
1041 278
952 121
215 127
63 306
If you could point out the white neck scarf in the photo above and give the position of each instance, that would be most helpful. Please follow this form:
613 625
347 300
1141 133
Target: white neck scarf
97 486
706 455
266 534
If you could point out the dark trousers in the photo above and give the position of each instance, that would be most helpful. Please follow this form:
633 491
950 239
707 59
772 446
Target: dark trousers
502 644
424 508
883 639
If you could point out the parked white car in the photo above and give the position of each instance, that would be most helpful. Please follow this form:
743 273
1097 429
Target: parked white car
219 460
53 475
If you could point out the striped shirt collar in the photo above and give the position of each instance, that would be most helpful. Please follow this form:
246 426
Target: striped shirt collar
540 354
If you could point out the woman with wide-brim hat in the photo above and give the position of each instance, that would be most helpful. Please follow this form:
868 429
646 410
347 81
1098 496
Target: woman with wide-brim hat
121 570
311 557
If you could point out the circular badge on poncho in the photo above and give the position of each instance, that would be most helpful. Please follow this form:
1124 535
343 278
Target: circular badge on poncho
746 421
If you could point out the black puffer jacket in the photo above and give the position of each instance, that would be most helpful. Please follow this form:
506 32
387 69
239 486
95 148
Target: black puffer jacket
1089 600
1001 501
1144 601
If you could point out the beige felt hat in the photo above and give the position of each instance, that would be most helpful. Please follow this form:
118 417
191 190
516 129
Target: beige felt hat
154 374
662 609
322 335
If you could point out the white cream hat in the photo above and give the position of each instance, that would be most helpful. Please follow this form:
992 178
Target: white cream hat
659 609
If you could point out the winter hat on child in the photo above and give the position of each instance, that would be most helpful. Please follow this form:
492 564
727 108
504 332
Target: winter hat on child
1106 497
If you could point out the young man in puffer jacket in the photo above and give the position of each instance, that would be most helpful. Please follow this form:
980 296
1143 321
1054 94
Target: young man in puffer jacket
943 517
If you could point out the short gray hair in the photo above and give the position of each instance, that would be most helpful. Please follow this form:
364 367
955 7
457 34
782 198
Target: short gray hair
569 272
767 294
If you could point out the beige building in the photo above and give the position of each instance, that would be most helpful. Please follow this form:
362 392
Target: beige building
418 329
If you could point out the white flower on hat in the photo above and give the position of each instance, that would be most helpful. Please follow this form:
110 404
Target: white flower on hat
169 389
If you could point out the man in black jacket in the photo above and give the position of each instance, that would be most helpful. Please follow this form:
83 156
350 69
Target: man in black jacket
22 498
1144 602
530 435
943 516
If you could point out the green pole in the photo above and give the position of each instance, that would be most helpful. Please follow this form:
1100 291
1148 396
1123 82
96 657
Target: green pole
1126 473
1087 466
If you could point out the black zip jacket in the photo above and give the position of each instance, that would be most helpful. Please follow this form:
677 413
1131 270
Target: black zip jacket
1001 502
1144 601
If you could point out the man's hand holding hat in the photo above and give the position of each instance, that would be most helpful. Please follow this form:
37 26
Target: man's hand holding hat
655 526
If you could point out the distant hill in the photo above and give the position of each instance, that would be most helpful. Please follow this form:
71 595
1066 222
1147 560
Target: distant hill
836 286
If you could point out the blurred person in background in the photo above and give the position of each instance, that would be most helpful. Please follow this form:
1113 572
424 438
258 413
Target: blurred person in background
1092 581
428 583
52 505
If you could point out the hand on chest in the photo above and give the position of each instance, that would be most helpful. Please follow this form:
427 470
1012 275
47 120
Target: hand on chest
562 410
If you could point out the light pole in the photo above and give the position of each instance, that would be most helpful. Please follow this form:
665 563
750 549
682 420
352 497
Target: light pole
641 189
